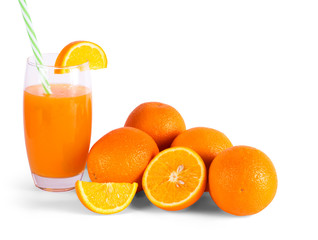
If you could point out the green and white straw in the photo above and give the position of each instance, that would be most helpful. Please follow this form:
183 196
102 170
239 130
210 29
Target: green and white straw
35 48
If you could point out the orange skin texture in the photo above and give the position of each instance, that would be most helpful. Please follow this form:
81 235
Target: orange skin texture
121 155
243 180
161 121
207 142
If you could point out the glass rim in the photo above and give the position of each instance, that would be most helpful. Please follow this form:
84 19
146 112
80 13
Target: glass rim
31 61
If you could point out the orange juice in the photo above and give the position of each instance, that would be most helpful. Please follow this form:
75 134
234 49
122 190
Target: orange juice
57 129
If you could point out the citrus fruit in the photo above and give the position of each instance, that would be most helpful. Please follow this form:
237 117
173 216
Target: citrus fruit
161 121
242 180
79 52
207 142
121 155
175 179
105 198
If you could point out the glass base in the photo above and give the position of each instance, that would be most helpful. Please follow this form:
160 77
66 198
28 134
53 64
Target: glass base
56 184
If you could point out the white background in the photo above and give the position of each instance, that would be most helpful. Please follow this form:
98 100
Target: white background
246 68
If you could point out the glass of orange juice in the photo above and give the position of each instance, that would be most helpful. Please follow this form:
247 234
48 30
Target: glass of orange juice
57 127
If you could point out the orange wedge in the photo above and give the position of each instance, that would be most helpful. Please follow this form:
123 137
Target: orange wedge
105 198
175 179
79 52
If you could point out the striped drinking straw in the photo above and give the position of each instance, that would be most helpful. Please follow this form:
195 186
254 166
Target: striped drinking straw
35 48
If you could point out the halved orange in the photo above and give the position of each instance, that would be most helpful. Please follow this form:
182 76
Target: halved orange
79 52
175 178
105 198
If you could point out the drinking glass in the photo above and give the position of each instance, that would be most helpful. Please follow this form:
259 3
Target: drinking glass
57 127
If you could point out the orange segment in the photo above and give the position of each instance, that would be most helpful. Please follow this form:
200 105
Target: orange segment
79 52
175 178
105 198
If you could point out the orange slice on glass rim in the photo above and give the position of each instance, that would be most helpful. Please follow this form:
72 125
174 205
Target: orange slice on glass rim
79 52
175 178
105 198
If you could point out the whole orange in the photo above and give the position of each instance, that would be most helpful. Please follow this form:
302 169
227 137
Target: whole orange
161 121
242 180
207 142
120 156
